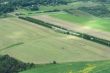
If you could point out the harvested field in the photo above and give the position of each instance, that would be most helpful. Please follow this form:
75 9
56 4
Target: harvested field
42 45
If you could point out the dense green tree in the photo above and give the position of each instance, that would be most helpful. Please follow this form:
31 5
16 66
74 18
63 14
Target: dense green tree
97 10
7 6
11 65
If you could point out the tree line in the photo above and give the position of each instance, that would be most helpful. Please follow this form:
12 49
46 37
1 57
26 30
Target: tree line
67 31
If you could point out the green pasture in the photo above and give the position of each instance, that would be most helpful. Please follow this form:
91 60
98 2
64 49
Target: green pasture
77 67
85 20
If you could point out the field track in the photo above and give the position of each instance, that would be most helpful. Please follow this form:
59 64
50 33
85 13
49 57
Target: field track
75 27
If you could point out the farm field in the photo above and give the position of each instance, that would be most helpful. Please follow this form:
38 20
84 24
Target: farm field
54 36
29 42
76 67
86 24
84 19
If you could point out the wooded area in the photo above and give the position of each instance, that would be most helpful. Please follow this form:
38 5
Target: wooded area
11 65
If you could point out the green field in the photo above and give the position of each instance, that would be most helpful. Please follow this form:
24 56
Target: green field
77 67
29 42
84 19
